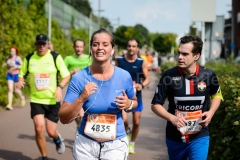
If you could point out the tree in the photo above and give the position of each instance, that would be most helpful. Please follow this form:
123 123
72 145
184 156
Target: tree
164 42
106 24
16 28
82 34
19 27
144 32
123 33
192 30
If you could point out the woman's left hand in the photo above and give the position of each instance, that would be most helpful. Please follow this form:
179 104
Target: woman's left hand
122 102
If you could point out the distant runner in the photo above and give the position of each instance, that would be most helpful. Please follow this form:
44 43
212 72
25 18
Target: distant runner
138 69
77 62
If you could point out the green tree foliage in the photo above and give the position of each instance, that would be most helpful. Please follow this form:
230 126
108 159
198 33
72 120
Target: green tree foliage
123 33
225 124
144 32
16 28
192 31
81 34
164 42
36 12
61 44
105 23
19 27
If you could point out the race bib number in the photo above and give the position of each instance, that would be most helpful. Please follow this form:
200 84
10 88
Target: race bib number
42 81
101 127
193 118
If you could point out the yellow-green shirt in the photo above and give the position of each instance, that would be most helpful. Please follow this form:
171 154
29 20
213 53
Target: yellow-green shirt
72 62
42 74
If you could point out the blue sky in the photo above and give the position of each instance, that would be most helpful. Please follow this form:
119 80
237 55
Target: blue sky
156 15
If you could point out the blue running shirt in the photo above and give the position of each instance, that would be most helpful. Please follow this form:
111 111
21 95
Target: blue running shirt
102 101
135 70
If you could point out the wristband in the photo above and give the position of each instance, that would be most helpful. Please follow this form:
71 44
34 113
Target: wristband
130 107
60 86
142 86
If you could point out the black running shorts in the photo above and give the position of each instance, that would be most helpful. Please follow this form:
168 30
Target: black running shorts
49 111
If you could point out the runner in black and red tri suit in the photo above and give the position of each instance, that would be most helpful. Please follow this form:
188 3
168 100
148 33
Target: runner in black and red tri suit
189 88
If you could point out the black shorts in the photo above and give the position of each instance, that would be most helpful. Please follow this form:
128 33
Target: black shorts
50 111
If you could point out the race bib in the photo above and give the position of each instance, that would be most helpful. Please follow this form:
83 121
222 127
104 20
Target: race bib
135 90
101 127
193 118
42 81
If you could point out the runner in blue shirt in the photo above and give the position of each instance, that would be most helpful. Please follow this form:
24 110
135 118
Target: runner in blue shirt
103 91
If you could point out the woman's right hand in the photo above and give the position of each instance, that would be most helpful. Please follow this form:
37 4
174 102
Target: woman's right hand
88 90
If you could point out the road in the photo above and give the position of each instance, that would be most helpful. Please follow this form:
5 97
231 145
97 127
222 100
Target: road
17 141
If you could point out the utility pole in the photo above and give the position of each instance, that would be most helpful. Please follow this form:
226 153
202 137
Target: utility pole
99 6
49 19
99 11
233 29
90 29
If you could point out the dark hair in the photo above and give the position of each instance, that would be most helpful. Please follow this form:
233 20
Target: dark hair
74 42
133 39
103 30
195 40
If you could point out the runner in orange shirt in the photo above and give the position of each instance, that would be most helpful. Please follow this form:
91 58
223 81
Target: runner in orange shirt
149 60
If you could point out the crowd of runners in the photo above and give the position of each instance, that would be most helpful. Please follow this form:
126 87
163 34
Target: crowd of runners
103 88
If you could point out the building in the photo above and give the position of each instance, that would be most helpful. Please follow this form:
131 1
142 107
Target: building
236 26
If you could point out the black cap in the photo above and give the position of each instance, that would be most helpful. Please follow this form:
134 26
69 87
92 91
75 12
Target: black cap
42 38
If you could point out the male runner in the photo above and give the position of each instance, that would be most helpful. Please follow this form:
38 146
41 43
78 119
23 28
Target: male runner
77 62
138 70
46 94
188 88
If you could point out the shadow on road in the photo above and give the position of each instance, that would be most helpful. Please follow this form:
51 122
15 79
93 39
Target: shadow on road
5 154
68 142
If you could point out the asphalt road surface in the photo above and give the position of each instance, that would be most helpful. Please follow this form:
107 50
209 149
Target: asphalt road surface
17 140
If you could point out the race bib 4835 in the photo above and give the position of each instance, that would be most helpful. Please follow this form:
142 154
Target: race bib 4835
101 127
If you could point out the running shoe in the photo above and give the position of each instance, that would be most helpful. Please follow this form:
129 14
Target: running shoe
131 148
9 107
44 158
60 146
22 102
129 134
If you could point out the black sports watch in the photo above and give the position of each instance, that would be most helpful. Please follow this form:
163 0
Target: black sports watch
59 85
